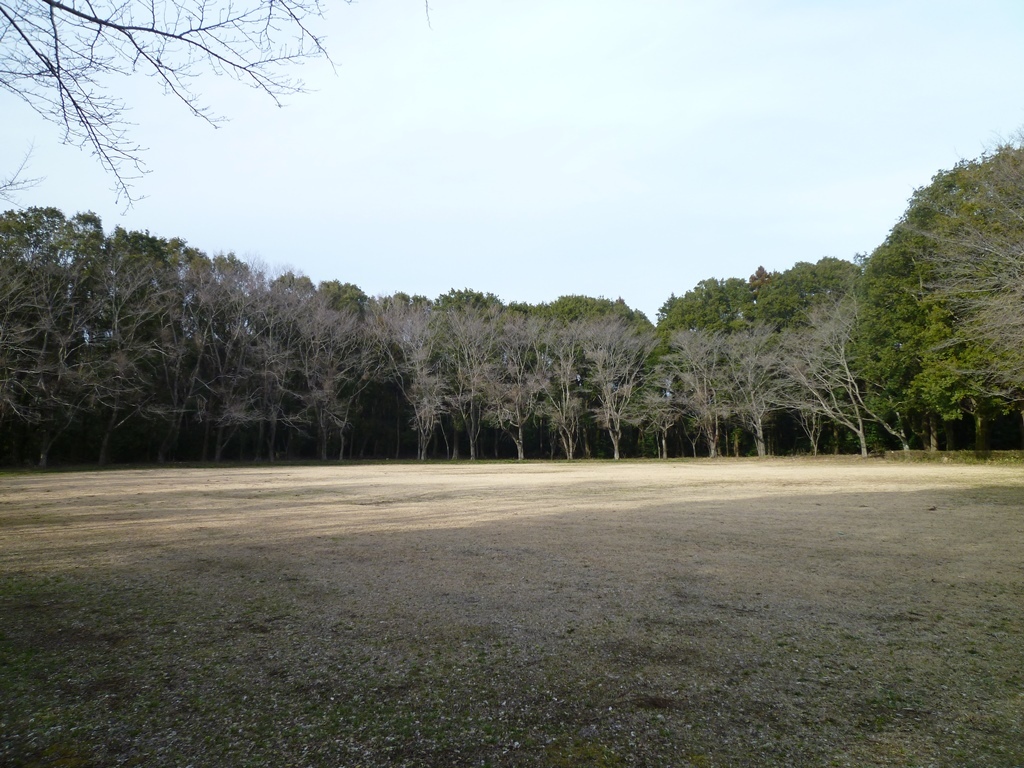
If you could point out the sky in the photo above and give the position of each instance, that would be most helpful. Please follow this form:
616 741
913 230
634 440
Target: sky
540 148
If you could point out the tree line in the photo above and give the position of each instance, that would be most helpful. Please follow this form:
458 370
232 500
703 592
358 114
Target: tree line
123 346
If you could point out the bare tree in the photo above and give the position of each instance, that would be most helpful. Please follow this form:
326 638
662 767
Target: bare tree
16 337
60 57
181 341
562 365
819 363
58 372
46 263
470 336
278 311
125 289
18 180
698 358
617 356
659 406
520 377
406 341
811 423
331 363
755 385
225 307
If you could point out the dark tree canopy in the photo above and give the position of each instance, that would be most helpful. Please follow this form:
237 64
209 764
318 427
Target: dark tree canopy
576 308
774 299
124 346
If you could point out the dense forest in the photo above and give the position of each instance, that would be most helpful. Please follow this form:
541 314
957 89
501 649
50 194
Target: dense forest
126 347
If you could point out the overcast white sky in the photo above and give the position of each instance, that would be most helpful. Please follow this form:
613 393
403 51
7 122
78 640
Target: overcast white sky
546 147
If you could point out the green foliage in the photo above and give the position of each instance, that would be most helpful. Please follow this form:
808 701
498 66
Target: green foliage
775 299
467 299
916 345
401 299
299 284
141 247
712 305
344 297
784 300
576 309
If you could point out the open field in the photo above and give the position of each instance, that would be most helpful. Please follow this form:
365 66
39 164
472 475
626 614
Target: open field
730 613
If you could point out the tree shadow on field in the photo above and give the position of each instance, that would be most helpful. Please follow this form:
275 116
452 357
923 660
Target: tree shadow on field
861 629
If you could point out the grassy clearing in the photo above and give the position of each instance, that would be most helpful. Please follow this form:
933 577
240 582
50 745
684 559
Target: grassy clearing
694 613
958 457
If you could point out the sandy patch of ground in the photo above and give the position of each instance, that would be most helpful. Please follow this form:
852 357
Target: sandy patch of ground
780 612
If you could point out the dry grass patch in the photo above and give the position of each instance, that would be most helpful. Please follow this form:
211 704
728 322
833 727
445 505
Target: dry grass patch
685 613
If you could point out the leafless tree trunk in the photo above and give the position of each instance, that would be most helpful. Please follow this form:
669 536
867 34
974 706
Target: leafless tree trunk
181 341
659 406
811 423
332 367
406 342
50 365
563 360
520 378
753 373
16 338
698 358
617 358
469 366
818 363
127 300
282 316
225 303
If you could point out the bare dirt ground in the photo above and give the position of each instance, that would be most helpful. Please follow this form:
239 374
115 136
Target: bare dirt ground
782 612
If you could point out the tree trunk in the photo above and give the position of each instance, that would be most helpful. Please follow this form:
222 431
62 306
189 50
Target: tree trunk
322 434
567 447
814 432
170 437
207 427
473 428
398 429
950 430
863 438
759 438
271 438
982 433
218 451
713 440
45 443
933 433
108 434
902 434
